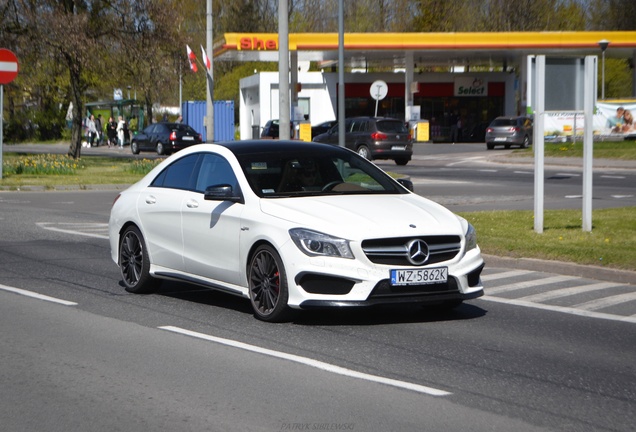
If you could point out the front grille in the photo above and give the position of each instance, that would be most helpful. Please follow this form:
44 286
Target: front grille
394 251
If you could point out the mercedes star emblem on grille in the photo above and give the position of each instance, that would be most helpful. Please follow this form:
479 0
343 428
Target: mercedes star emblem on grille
417 252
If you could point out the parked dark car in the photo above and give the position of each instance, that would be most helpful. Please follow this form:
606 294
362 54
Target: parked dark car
374 138
270 130
509 131
165 138
322 128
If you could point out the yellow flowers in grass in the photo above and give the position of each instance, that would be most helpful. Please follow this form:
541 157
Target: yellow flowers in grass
49 164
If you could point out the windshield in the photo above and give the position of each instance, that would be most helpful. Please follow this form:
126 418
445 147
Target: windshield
325 172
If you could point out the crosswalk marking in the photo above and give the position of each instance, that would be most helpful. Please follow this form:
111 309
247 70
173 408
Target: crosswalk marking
528 284
564 292
508 274
606 301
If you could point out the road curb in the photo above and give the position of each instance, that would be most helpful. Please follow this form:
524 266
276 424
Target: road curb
563 268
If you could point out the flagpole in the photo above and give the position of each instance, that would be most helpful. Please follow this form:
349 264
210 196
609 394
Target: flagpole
210 76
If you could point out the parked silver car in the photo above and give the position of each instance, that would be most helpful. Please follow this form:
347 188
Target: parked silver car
509 131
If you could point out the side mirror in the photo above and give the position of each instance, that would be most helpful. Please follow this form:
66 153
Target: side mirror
223 192
406 183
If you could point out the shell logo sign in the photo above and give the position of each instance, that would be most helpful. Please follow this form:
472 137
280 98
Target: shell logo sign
257 44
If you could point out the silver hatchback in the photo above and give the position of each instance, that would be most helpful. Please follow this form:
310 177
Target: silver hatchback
507 131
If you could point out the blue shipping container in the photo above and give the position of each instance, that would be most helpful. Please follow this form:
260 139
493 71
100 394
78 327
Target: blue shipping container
194 113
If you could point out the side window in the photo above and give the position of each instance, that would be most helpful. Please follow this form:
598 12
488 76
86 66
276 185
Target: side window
215 170
179 175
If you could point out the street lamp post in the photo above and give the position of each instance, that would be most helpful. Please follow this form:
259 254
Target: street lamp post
603 44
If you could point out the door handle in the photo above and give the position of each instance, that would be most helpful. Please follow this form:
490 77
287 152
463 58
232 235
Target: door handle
151 200
192 204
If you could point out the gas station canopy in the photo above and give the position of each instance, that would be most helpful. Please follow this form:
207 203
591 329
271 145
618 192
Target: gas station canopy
428 49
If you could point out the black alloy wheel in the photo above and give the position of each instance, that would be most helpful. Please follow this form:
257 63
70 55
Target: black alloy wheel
134 262
268 285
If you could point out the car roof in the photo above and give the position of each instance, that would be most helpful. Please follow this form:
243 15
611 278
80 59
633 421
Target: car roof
256 146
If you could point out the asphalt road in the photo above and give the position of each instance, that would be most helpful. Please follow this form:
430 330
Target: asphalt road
191 359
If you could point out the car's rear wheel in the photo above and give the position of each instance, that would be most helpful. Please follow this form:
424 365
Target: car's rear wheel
134 262
161 150
268 285
526 142
490 146
401 161
134 147
364 152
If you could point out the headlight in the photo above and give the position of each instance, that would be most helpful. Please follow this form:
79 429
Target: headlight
314 243
471 238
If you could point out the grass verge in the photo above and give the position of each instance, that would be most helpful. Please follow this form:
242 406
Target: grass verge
611 243
49 170
621 150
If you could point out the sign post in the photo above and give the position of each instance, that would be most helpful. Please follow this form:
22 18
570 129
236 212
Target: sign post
8 72
379 90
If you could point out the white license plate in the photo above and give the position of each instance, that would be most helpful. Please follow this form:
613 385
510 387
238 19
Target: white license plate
188 138
500 139
419 276
398 148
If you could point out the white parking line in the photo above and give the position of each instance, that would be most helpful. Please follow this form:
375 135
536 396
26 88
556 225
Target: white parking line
568 310
76 228
511 273
606 301
37 296
528 284
310 362
564 292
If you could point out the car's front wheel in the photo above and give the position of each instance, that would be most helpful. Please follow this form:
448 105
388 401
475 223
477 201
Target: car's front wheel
161 150
134 147
268 285
134 262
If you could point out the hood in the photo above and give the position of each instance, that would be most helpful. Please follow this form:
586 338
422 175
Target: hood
360 216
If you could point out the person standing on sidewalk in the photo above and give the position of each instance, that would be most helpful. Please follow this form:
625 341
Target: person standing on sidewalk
120 131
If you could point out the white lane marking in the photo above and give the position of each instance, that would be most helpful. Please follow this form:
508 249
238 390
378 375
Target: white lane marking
37 296
574 196
310 362
606 301
564 292
523 172
613 177
529 284
568 174
511 273
571 311
62 227
622 196
470 159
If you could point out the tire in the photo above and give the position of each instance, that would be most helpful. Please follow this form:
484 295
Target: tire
401 161
134 147
161 150
267 281
490 146
364 152
134 262
525 143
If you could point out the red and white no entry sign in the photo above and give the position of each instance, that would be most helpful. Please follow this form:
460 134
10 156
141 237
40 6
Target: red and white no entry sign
8 66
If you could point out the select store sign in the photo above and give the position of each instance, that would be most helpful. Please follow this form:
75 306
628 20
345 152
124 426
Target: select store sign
467 86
